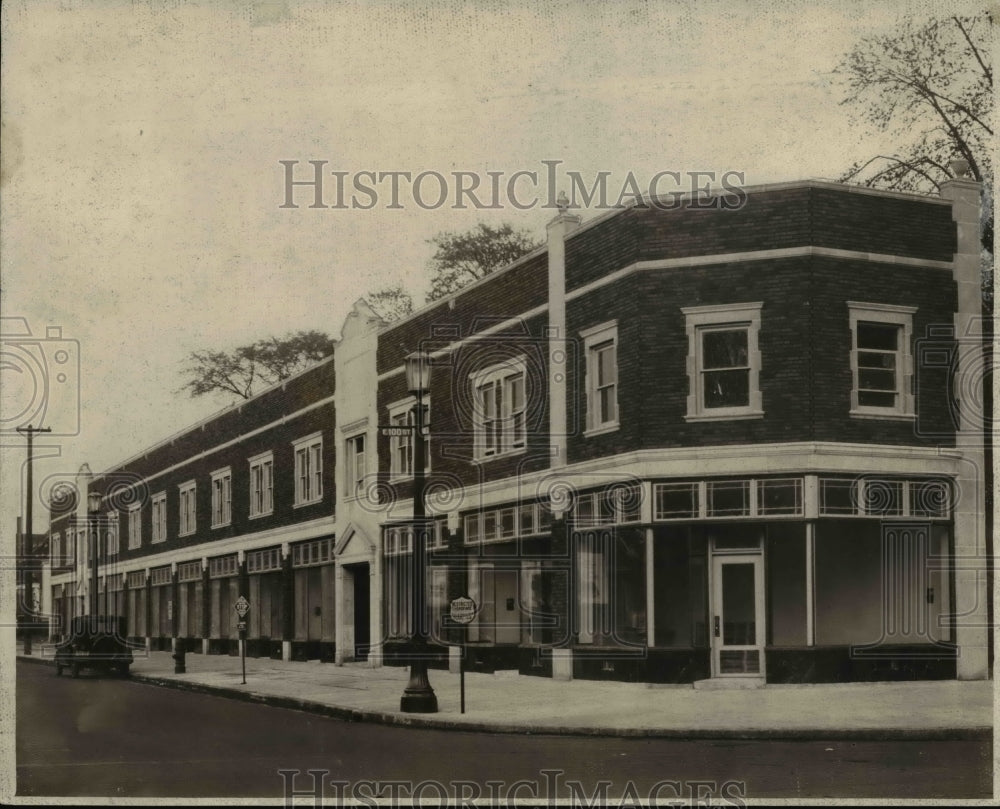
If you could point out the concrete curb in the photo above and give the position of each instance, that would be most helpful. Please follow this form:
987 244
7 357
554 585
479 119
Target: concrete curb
436 723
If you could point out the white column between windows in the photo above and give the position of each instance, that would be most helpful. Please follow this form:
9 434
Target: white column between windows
561 226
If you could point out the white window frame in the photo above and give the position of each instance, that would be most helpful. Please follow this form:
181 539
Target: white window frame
187 508
886 314
400 415
56 554
723 317
355 464
159 507
111 548
262 497
595 338
135 526
222 497
508 442
308 456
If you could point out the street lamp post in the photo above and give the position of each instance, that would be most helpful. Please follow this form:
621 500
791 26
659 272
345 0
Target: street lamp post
419 697
93 506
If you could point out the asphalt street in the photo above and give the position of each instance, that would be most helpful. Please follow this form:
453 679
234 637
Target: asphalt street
108 737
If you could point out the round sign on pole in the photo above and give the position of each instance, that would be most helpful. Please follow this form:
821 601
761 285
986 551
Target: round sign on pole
463 610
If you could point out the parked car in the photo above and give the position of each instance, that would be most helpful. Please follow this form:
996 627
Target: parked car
96 642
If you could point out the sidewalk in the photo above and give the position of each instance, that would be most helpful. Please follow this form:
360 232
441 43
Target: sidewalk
509 703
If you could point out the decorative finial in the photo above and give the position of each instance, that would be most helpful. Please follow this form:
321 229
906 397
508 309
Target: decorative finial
959 167
562 203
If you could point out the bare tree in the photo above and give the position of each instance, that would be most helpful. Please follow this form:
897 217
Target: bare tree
930 86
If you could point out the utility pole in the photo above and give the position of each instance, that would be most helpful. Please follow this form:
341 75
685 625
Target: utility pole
26 551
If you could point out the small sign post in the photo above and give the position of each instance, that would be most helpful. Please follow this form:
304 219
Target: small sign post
463 611
242 607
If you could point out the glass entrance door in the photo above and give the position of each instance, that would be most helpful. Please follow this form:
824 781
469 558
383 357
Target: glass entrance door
737 616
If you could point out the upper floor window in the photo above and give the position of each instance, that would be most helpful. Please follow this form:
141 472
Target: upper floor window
222 497
57 552
723 362
308 469
500 409
355 469
601 346
112 547
159 517
401 447
881 362
261 484
134 526
188 508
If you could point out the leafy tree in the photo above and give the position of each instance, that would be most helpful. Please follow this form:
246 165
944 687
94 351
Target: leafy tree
244 370
461 258
391 303
930 86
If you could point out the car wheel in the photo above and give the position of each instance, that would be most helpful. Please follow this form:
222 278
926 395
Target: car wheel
58 670
75 670
123 669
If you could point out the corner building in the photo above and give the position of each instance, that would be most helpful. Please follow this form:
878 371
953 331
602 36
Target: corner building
732 441
710 443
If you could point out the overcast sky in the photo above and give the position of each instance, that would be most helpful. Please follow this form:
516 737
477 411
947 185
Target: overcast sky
142 185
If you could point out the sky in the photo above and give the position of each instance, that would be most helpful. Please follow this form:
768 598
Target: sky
141 203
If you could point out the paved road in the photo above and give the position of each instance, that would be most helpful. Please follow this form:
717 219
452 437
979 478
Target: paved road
110 737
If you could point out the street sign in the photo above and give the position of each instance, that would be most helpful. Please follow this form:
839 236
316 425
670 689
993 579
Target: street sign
242 626
395 431
401 431
242 606
463 610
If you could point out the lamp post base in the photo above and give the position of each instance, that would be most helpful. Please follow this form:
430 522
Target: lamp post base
418 697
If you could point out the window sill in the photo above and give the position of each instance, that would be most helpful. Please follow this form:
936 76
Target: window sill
394 479
305 503
222 525
262 514
883 416
604 428
507 454
187 534
730 416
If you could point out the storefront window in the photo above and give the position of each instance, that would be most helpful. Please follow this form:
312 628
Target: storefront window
679 584
786 577
611 587
398 580
881 583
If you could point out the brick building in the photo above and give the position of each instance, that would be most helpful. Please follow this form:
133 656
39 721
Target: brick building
241 503
677 443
